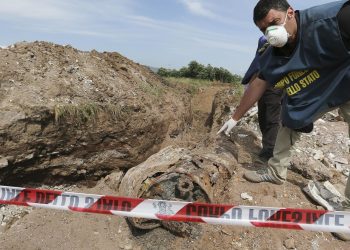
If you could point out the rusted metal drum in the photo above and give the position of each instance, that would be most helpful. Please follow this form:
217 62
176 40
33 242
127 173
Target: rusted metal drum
174 174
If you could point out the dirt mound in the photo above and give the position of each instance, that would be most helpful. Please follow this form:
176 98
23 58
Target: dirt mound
70 114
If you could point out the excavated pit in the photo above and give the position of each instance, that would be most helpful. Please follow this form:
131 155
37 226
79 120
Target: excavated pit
194 174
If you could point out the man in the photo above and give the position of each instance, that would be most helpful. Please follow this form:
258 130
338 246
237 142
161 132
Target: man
310 59
269 106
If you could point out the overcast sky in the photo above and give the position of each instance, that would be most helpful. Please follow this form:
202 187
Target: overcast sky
158 33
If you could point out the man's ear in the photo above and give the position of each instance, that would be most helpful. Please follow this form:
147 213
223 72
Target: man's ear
290 13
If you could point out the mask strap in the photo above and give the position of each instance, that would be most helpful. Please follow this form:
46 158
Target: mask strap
285 19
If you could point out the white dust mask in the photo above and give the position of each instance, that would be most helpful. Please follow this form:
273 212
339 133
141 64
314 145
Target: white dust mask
277 35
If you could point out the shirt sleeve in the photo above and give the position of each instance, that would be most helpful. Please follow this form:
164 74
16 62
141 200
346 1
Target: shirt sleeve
344 24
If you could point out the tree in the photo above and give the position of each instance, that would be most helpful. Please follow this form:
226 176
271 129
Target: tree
195 69
199 71
163 72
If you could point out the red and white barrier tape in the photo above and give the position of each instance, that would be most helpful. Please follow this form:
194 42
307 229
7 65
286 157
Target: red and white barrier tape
289 218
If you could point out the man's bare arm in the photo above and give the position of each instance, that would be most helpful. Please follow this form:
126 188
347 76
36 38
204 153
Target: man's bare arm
253 93
255 90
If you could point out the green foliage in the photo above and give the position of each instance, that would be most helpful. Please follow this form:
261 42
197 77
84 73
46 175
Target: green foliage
192 86
196 70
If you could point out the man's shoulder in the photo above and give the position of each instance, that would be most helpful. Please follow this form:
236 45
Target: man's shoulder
262 45
263 48
262 40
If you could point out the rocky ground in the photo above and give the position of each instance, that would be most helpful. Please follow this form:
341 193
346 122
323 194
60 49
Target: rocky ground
321 155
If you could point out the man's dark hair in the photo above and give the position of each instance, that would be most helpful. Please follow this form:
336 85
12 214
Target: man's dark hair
264 6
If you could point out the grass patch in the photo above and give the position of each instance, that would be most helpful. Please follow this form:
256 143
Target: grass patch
152 90
87 112
192 86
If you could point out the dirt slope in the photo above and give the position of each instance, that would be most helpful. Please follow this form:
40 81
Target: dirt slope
68 115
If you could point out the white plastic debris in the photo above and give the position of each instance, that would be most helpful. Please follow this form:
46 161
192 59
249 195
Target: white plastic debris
324 194
246 196
242 135
318 155
331 156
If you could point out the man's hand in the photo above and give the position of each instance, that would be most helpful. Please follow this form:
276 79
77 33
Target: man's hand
228 126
